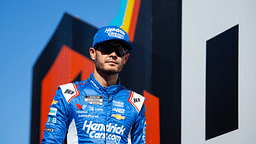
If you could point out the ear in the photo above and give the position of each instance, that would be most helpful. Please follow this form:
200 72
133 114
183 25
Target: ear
92 52
126 58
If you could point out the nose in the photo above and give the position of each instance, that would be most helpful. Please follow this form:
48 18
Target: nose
113 55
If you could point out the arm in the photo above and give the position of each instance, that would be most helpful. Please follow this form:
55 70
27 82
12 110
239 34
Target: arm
57 121
138 133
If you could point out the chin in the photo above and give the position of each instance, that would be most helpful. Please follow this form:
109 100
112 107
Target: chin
111 68
110 72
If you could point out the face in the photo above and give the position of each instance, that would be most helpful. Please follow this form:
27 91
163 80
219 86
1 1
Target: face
109 57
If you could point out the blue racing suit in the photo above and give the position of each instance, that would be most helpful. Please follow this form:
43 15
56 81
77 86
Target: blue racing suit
90 113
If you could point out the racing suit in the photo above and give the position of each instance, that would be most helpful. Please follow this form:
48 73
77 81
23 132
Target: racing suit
90 113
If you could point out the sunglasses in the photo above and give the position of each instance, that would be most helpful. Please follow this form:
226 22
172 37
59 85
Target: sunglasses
107 48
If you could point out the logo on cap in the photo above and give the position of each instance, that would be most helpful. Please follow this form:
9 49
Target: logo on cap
113 32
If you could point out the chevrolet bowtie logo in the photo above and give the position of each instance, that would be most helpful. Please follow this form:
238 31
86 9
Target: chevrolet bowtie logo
117 116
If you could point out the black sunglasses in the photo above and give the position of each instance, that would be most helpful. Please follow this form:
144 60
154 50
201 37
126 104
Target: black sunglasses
107 48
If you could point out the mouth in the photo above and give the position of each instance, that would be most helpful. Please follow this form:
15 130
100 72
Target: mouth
111 62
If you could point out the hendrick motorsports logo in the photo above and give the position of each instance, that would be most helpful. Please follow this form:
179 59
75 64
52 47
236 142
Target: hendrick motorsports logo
113 32
97 131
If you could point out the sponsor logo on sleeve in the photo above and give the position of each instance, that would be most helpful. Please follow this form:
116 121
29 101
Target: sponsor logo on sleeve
53 111
144 132
68 91
51 120
135 100
47 129
54 102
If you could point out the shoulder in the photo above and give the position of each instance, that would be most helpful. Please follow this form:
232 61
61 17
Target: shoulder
71 90
136 100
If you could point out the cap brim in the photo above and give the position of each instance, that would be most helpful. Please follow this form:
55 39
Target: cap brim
128 44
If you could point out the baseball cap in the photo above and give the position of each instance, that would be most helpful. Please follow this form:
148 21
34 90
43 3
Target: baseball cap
111 33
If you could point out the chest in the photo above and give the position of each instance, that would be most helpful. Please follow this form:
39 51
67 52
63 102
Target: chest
103 114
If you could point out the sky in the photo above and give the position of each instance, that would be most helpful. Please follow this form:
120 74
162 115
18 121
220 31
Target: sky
25 29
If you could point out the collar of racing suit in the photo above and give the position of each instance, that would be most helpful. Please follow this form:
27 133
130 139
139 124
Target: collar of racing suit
106 90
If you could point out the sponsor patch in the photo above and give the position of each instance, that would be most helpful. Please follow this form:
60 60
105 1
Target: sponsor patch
54 102
51 120
69 91
118 110
79 106
118 104
53 111
136 100
81 112
118 116
84 107
89 116
144 130
99 109
48 129
91 108
94 99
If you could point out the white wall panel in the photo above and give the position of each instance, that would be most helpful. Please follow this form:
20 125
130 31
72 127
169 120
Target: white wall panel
201 21
247 77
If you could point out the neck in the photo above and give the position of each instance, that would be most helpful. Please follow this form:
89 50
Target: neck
106 79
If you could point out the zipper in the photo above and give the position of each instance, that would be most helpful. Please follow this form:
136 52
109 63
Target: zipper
106 122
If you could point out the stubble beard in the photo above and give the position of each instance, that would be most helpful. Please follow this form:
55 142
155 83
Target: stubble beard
106 71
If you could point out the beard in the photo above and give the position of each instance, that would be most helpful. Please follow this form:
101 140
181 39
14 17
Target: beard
107 70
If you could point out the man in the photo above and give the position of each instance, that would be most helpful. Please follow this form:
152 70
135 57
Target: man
99 109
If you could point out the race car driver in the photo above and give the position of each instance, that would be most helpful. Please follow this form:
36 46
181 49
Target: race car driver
99 109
